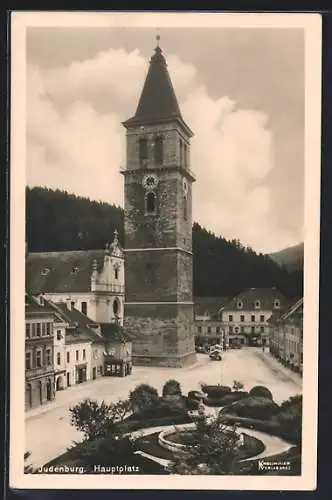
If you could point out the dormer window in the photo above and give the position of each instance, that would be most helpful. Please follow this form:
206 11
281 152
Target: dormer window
239 304
276 304
74 270
44 271
257 304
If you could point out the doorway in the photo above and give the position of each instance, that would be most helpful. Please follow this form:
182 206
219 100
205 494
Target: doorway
68 379
94 373
49 392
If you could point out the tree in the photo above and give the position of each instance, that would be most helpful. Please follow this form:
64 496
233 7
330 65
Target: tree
143 397
96 420
214 451
261 391
172 388
237 385
28 468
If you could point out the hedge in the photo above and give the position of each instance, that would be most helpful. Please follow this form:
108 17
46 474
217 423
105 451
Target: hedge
254 407
273 427
216 391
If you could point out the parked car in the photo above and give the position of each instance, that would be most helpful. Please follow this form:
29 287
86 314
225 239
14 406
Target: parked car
215 355
200 349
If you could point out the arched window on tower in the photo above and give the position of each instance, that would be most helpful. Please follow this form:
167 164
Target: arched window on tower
158 150
116 272
143 151
150 203
185 155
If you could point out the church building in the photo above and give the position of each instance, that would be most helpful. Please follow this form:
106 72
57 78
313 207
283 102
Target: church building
159 316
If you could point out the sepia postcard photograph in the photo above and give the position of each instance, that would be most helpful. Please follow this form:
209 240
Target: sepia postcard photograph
164 268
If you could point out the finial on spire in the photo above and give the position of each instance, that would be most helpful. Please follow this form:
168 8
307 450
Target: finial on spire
158 39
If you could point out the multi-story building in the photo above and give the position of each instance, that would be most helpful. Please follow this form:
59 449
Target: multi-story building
39 352
209 328
286 336
246 317
92 281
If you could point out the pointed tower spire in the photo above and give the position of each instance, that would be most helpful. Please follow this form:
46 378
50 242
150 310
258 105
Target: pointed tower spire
158 102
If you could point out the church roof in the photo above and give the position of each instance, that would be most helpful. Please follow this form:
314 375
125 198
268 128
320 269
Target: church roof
158 102
61 272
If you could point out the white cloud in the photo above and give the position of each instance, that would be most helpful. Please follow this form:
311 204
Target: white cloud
76 142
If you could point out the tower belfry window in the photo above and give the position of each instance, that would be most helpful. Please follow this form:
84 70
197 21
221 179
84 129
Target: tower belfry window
143 150
150 202
185 155
185 209
181 152
158 150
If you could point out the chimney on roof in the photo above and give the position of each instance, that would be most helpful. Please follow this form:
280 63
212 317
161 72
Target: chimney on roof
68 302
42 299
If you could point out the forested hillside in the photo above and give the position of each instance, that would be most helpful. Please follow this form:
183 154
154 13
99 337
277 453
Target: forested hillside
291 257
59 221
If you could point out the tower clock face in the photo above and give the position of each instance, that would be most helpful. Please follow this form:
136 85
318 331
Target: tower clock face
150 181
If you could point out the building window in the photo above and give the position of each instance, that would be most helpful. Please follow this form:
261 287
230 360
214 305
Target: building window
143 151
115 307
253 318
242 318
48 356
72 304
240 304
218 329
185 154
185 208
276 304
68 357
199 329
28 365
209 329
230 317
181 152
262 329
230 329
48 328
252 329
150 201
116 273
45 271
257 304
242 329
83 353
58 358
58 335
158 150
77 355
262 318
84 308
74 270
43 329
38 359
38 329
27 330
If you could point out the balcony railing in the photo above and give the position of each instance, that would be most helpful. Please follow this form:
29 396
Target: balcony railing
40 371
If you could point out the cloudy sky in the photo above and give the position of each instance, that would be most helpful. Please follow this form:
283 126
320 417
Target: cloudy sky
240 90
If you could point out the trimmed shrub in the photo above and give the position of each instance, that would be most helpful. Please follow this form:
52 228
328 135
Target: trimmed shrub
143 397
232 397
254 407
172 388
216 391
192 404
195 395
261 392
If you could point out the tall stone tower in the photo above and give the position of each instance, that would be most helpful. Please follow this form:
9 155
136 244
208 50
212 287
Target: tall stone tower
158 226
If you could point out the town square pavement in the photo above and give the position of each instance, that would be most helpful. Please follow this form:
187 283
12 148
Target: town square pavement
48 429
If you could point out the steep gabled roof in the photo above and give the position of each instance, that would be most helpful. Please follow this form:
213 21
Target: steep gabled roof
158 102
61 272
